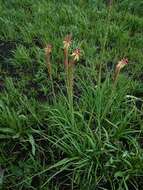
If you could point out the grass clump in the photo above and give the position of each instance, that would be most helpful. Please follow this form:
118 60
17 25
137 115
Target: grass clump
69 121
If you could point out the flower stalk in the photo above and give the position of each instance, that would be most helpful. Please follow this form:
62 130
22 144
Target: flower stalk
67 42
69 70
121 64
75 58
48 51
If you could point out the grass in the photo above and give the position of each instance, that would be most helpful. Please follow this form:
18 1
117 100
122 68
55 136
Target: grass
93 139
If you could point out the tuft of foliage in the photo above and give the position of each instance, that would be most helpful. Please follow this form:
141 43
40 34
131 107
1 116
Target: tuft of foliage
90 137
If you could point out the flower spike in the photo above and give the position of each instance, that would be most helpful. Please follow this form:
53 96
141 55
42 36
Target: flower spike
67 41
121 64
48 49
76 54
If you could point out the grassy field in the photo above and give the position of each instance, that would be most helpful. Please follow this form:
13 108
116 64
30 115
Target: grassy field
74 129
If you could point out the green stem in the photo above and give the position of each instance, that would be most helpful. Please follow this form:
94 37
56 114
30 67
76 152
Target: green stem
70 89
53 91
111 99
50 75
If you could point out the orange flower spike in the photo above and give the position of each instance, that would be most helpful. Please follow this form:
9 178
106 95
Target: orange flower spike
48 50
67 41
121 64
76 54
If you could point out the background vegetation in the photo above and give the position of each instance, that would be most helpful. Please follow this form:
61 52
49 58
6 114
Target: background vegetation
40 145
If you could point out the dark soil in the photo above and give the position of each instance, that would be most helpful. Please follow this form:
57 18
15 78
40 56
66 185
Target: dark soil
1 85
6 48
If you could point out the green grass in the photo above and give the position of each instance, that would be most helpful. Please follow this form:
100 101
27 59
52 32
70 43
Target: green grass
43 146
